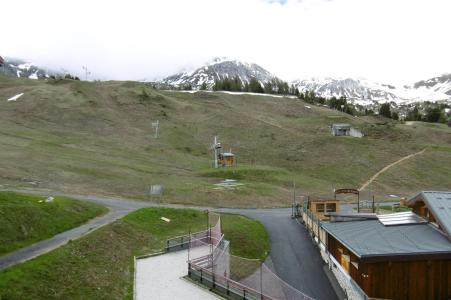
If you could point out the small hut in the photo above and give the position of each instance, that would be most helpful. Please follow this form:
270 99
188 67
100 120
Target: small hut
341 129
321 207
344 129
227 159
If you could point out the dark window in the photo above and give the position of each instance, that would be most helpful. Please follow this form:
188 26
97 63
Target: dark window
331 207
319 207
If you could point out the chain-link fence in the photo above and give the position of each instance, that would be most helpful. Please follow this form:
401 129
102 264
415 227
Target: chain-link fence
210 262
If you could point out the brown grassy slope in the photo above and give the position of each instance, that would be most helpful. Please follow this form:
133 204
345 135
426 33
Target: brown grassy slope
96 138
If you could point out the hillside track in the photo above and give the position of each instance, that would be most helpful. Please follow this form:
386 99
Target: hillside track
369 181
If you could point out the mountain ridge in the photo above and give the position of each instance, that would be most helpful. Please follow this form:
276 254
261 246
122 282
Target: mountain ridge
23 69
219 68
360 91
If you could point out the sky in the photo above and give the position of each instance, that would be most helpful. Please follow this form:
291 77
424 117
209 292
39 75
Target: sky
389 41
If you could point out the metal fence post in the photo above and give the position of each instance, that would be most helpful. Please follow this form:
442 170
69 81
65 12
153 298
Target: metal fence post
244 293
228 287
261 282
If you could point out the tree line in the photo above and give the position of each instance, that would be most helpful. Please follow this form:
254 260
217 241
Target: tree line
432 113
235 84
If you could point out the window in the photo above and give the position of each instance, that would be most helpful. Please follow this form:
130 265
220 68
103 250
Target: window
319 207
331 207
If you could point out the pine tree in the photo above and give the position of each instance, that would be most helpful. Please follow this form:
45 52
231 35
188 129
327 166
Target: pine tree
433 114
267 86
246 87
218 85
203 86
384 110
255 86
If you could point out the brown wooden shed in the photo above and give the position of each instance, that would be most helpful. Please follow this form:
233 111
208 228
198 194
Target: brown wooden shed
410 260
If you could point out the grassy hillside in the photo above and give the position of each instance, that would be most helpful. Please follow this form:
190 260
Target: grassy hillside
96 138
100 265
26 219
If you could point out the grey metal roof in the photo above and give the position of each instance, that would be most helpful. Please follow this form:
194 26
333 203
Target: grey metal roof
341 125
371 238
439 203
352 214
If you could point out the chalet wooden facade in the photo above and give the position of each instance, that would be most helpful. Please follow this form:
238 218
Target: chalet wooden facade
399 256
395 276
321 207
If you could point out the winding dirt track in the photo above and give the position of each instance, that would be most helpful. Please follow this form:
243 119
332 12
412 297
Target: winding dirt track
388 167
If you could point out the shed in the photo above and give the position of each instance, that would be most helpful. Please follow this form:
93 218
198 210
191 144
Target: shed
320 208
403 261
341 129
227 159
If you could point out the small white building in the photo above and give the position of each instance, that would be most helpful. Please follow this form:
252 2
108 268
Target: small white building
344 129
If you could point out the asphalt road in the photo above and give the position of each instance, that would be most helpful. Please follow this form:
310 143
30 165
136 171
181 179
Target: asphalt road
118 207
296 260
294 257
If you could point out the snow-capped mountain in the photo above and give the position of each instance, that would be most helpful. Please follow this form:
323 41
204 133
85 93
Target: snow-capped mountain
20 68
218 69
441 84
359 90
365 92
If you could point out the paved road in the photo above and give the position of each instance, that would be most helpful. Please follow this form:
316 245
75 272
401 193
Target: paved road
296 260
118 207
294 257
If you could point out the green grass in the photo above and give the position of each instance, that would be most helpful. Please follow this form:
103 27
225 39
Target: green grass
100 265
248 238
27 219
96 138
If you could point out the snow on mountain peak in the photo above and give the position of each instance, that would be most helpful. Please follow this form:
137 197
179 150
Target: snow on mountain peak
364 92
20 68
217 69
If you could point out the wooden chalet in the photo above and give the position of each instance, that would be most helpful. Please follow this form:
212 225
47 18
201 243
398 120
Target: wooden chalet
397 256
321 207
227 159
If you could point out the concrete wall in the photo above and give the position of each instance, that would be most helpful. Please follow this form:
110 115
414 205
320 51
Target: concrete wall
352 291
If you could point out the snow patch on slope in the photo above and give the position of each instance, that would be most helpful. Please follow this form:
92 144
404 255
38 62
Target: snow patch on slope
14 98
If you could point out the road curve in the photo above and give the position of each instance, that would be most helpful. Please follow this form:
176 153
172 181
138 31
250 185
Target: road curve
296 260
118 207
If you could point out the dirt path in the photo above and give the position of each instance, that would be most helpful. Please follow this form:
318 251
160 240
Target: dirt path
388 167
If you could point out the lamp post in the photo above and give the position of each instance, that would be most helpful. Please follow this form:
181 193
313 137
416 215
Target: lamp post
86 72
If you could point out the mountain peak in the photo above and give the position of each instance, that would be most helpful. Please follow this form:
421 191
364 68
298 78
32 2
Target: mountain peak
20 68
217 69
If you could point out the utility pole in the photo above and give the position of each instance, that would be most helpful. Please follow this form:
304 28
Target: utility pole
293 206
156 125
86 72
216 148
216 152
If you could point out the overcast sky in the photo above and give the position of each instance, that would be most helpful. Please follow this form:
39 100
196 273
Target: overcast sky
394 41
